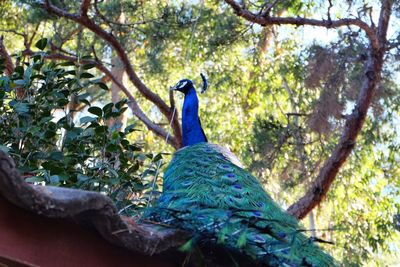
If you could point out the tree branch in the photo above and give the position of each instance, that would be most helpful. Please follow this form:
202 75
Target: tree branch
132 103
355 121
29 43
268 20
4 53
85 21
84 8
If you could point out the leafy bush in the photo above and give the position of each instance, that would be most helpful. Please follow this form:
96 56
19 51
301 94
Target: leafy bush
50 147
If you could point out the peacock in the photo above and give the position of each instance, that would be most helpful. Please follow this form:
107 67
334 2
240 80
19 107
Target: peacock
207 193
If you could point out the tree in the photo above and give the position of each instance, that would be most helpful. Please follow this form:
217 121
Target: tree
375 58
287 95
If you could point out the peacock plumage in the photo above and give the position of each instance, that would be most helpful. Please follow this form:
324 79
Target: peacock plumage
208 193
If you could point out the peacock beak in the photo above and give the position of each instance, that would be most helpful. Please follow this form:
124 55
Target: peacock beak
172 88
175 87
179 86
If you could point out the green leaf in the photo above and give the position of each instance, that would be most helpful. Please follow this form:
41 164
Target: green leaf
19 70
100 129
130 128
71 135
34 130
115 135
20 82
121 103
86 75
81 177
113 172
39 155
107 109
53 167
38 76
34 179
85 101
94 124
45 119
88 66
70 72
96 111
112 148
63 121
157 157
5 149
41 44
134 168
5 83
27 75
87 57
56 155
125 143
49 134
122 110
54 179
62 102
87 119
134 148
21 108
102 86
38 59
67 63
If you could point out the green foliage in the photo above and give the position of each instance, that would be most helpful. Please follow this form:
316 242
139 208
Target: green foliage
251 93
52 145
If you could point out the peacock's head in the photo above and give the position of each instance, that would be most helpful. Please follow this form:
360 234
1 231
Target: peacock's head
185 85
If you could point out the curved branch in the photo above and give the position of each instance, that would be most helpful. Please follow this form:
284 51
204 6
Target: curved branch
265 19
84 8
85 21
353 124
355 121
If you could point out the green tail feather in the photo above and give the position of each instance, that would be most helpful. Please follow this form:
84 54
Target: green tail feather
208 193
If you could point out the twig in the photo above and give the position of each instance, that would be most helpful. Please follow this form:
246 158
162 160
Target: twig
329 10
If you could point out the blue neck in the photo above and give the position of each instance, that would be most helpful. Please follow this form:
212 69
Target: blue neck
192 133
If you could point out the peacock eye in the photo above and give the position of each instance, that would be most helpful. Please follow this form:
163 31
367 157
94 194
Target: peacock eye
182 84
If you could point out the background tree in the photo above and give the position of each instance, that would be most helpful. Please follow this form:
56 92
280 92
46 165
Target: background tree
292 98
